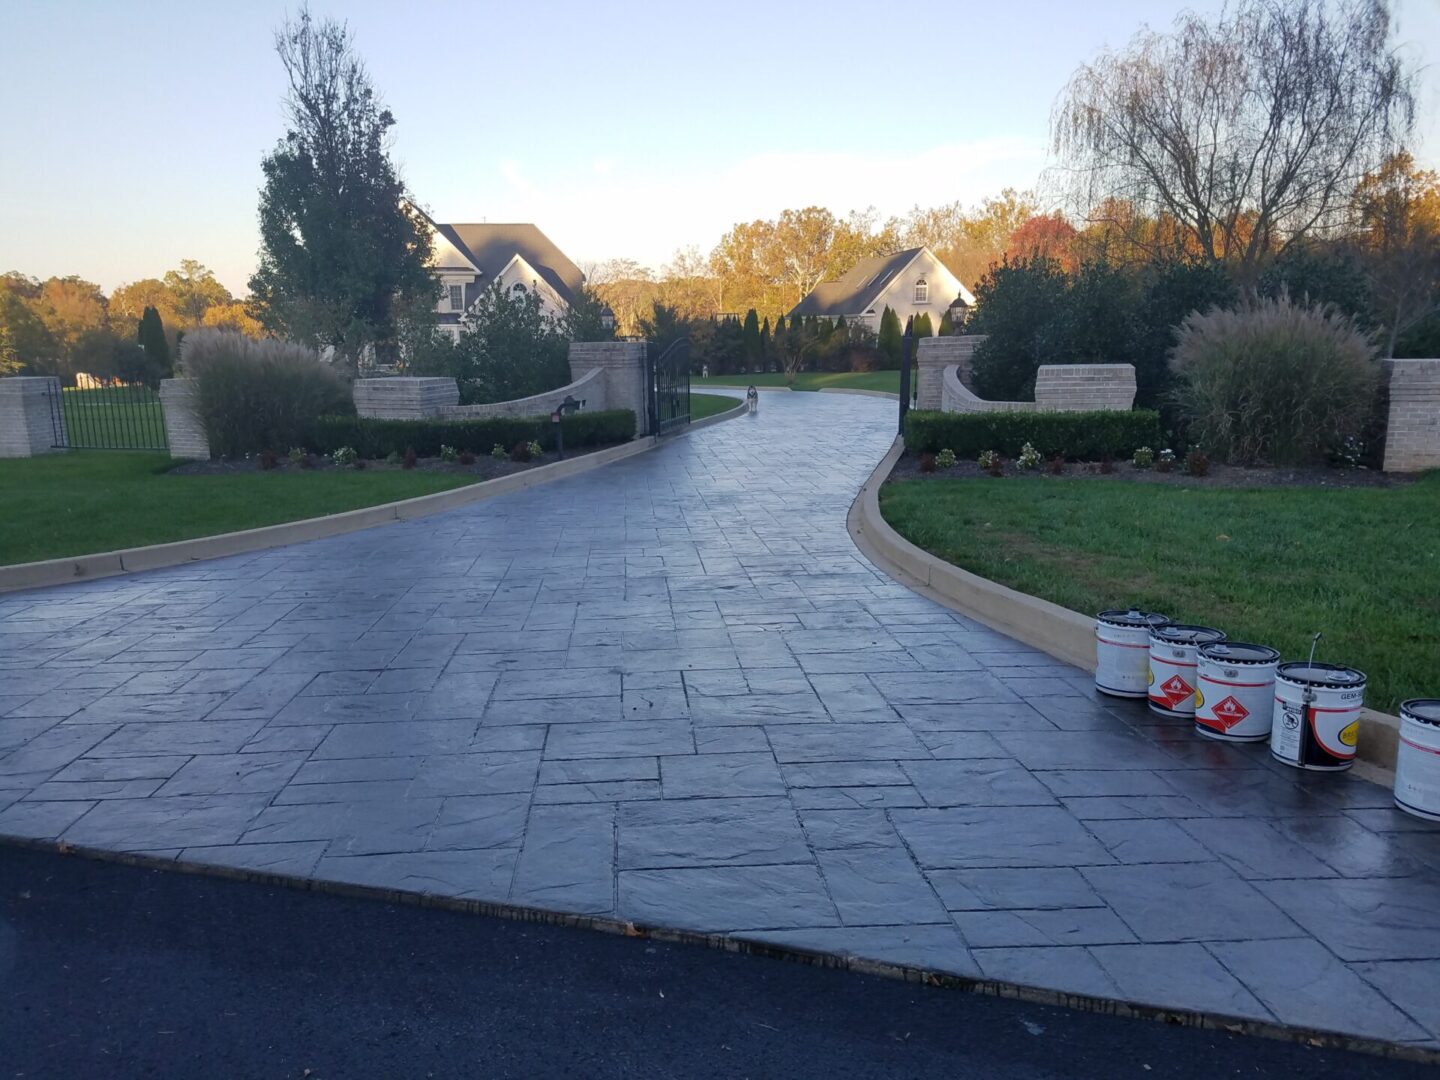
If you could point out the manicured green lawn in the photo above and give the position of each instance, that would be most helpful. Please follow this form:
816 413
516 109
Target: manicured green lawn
1267 565
888 381
81 502
117 418
703 405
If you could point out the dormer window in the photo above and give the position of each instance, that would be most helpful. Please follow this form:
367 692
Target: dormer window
457 298
922 292
519 288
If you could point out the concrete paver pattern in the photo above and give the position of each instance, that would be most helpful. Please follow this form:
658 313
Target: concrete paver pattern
672 691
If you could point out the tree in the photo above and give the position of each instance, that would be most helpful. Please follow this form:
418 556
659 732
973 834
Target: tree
585 319
891 336
343 252
237 316
627 287
1018 305
1049 236
70 307
1397 214
194 291
765 340
26 344
922 326
751 333
1249 133
151 338
947 325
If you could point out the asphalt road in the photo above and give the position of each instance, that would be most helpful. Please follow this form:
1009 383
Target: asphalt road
117 971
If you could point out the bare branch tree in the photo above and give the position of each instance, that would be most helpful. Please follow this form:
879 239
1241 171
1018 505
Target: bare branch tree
1245 134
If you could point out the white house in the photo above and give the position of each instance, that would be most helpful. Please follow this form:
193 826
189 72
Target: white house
908 282
467 259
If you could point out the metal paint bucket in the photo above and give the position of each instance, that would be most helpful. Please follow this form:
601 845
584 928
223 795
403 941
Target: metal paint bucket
1316 721
1417 763
1235 700
1122 651
1173 655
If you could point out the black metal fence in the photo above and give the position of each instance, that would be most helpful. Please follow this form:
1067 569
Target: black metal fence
119 416
670 387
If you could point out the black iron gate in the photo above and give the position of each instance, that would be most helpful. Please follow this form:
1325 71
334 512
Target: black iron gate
115 416
669 379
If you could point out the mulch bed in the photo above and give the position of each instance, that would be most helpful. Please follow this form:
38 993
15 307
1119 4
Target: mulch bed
1221 476
485 467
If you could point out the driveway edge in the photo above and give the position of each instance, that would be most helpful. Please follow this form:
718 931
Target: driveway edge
1057 631
1213 1021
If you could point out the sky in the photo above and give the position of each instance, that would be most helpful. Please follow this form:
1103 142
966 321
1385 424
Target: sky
134 129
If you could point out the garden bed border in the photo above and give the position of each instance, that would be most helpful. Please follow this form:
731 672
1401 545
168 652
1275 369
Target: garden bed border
1057 631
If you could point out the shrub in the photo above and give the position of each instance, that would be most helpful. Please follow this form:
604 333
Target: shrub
1057 465
1029 458
344 456
466 458
1274 381
269 460
306 461
392 458
1079 436
448 453
1144 458
498 452
945 459
1197 463
297 455
1166 461
410 458
377 438
927 462
1107 466
252 395
534 448
520 452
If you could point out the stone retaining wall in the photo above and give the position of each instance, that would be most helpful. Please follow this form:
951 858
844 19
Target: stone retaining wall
27 411
1412 436
589 388
623 366
1058 388
404 397
934 355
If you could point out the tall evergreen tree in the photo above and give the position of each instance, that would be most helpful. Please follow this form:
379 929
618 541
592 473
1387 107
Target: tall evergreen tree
765 337
343 253
922 327
151 336
751 334
947 327
891 336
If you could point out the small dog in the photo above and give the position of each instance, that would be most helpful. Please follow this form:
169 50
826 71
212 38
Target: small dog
752 399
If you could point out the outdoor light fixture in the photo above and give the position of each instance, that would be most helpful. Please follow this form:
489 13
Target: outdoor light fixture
607 318
568 405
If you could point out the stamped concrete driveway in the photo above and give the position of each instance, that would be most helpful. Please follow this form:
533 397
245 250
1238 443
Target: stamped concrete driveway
671 691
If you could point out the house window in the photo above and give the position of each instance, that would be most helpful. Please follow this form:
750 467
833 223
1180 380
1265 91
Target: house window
457 298
922 292
519 288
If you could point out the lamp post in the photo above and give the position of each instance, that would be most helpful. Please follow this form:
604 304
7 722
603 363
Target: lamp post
568 405
607 318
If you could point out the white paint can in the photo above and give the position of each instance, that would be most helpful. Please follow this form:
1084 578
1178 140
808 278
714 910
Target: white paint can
1235 699
1173 659
1316 721
1417 763
1122 651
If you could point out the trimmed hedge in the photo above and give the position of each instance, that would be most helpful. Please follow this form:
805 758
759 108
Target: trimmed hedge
1076 436
380 438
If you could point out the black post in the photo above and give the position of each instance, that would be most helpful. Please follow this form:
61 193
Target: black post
560 435
905 354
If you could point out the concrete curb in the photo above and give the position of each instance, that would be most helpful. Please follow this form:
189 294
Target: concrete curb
1064 634
858 392
710 421
1213 1021
707 387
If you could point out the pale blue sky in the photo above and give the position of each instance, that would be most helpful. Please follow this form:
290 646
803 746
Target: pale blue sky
134 130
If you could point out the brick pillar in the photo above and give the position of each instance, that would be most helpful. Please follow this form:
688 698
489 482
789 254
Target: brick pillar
1412 429
184 430
31 420
623 363
934 356
404 397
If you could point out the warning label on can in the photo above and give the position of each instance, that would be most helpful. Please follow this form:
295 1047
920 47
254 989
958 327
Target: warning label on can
1229 712
1173 691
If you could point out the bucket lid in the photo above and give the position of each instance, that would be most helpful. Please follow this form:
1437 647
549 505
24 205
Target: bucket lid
1239 652
1314 673
1425 710
1187 634
1133 617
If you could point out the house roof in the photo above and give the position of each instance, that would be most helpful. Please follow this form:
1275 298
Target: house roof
856 289
490 247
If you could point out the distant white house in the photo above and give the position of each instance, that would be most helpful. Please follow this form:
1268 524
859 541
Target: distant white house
468 259
909 282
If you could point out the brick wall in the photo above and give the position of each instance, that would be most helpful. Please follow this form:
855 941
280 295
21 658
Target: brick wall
184 430
1412 435
27 416
1085 387
589 388
404 397
933 356
623 366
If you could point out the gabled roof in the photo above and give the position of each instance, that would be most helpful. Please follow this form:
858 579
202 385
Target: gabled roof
491 247
856 289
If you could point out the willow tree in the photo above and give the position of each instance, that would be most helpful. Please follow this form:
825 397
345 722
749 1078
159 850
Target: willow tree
1250 132
343 254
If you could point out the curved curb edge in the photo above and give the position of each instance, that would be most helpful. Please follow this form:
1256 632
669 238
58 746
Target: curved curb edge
1057 631
738 943
77 568
858 392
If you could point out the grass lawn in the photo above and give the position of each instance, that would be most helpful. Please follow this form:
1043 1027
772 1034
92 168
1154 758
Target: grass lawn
82 502
1266 565
703 405
888 381
118 418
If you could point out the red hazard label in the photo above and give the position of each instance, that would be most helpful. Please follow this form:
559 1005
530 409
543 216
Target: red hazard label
1230 712
1173 691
